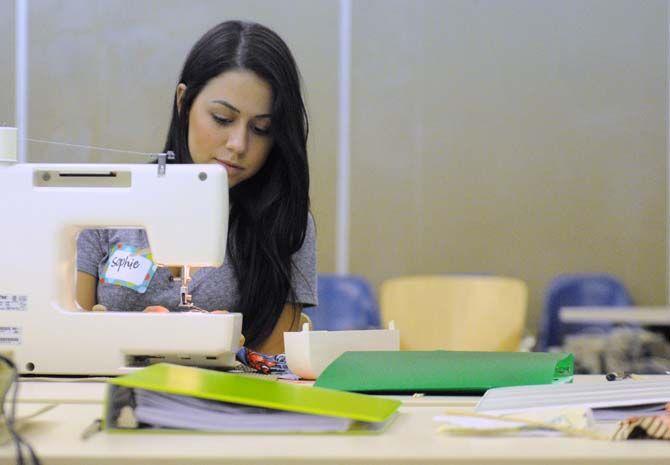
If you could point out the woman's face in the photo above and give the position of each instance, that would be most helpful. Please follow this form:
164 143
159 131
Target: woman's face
229 123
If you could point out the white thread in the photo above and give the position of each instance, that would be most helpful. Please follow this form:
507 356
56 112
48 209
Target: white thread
104 149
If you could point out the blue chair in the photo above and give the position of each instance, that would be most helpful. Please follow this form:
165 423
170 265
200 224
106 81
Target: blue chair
345 302
575 290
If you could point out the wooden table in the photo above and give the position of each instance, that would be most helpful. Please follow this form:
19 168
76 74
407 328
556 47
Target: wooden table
410 439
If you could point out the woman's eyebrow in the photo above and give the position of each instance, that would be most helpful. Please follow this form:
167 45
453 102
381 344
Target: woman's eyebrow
228 105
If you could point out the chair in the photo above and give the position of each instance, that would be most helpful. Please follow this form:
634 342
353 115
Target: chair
345 302
456 312
575 290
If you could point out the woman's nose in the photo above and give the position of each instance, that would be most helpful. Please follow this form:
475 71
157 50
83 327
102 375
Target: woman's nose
237 140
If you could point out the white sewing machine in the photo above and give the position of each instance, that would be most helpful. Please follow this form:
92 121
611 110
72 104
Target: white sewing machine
42 208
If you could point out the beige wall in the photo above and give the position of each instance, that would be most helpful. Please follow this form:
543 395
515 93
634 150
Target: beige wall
7 63
103 73
525 138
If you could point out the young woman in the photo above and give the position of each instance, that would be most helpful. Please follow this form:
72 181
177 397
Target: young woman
238 103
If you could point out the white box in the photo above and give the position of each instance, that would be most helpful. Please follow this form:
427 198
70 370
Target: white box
308 353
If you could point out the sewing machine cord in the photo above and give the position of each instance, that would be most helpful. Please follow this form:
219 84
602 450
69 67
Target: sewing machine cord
10 418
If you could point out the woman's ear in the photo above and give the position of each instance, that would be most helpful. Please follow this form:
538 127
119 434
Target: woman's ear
181 88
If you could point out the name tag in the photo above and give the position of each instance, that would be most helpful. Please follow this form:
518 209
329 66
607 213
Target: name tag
129 267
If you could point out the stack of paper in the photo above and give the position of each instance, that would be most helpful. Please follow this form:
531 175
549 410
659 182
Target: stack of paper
616 399
195 399
621 413
184 412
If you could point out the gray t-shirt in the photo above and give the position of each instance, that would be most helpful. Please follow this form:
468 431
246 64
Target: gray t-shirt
211 288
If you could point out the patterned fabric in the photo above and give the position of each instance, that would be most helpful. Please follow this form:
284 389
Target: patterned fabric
265 364
653 427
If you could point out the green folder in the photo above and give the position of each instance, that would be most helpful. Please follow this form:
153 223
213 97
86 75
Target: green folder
443 371
369 413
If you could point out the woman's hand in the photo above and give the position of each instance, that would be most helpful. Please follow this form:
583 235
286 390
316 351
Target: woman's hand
161 309
156 309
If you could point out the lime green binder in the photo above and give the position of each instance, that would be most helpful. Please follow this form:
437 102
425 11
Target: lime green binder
256 392
443 371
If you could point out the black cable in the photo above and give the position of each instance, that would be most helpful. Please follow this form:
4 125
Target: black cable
33 456
10 419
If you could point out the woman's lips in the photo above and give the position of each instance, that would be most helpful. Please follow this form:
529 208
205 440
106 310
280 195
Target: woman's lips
230 167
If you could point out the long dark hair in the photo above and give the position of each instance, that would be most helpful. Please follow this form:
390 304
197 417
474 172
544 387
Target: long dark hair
269 212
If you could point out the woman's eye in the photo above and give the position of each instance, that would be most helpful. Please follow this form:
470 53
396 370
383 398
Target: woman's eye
221 120
261 131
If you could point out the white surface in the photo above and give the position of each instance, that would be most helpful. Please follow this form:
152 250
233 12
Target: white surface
477 423
308 353
7 144
60 391
410 439
657 316
39 232
606 394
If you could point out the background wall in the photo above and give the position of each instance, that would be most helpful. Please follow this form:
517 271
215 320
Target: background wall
7 62
524 138
103 73
518 137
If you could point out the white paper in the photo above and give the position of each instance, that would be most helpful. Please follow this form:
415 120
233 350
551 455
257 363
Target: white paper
184 412
597 395
528 423
127 266
621 413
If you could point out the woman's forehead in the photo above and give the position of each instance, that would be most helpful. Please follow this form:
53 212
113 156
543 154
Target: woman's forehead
240 91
